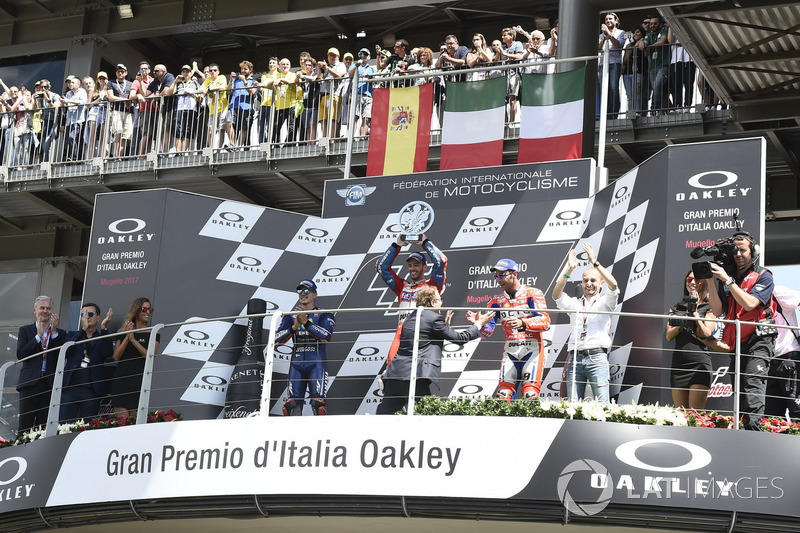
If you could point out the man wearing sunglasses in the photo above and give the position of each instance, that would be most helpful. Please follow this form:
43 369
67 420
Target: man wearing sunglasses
86 381
523 352
593 341
308 369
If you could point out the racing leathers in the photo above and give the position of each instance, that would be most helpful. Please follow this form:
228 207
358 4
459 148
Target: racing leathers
523 351
405 290
308 369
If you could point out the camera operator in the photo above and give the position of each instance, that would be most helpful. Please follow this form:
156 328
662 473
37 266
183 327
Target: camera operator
747 296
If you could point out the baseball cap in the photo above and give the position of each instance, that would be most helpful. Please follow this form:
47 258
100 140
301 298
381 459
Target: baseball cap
364 51
70 78
186 67
307 284
102 74
120 66
348 54
416 255
505 264
333 50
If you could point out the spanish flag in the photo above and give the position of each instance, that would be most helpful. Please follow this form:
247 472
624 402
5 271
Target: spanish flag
400 130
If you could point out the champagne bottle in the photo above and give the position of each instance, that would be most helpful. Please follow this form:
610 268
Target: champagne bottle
244 387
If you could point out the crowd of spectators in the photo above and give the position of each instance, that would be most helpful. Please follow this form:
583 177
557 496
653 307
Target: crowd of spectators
131 114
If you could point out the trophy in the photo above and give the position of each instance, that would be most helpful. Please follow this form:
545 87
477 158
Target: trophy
414 219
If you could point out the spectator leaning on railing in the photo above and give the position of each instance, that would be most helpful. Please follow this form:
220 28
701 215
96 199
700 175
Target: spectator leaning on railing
214 88
364 98
119 94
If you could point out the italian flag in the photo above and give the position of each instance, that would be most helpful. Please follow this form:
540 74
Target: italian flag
551 119
473 124
400 130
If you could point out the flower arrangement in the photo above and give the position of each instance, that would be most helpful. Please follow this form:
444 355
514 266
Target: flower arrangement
101 422
652 415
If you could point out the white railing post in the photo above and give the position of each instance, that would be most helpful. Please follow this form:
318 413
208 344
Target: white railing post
147 376
737 383
412 383
55 397
269 360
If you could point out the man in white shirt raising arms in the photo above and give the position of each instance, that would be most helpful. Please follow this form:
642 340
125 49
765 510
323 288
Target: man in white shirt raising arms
591 335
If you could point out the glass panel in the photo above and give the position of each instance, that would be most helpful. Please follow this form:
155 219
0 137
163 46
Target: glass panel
17 292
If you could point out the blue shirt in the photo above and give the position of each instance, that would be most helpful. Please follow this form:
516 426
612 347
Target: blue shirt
364 87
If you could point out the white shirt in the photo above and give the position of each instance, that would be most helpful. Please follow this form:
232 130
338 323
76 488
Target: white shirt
593 331
790 299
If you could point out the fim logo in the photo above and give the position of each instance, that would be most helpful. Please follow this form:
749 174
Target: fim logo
355 194
597 471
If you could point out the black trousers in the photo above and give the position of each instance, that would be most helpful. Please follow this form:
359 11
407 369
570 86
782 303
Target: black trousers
395 394
782 387
34 403
756 354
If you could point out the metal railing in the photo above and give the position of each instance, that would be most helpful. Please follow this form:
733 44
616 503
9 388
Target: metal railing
279 116
274 352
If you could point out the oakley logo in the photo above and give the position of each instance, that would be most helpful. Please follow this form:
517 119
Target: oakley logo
720 179
665 448
123 225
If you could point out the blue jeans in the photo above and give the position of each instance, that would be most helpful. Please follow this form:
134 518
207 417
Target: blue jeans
591 370
614 74
633 88
658 83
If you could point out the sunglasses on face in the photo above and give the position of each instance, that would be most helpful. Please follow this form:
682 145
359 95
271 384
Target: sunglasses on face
501 275
148 309
303 291
90 314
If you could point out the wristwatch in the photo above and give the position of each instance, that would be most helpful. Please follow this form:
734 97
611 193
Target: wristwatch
730 281
596 264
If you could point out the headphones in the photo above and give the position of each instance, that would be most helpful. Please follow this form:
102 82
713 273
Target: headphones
755 249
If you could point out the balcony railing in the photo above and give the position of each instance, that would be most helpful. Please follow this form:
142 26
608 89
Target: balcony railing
276 360
282 116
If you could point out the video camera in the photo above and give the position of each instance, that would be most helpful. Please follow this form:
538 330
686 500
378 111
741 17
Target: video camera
686 307
722 253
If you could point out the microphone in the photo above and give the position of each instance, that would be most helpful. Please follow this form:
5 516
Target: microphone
697 253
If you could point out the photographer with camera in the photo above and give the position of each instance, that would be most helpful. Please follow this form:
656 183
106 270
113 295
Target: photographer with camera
690 375
746 295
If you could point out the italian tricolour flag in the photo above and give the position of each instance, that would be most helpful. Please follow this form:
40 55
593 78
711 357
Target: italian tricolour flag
400 130
551 119
472 129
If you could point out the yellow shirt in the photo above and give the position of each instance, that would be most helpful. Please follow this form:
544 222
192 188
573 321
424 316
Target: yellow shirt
217 97
290 92
266 92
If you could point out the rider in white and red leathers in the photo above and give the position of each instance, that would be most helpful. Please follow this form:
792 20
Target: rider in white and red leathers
523 352
406 290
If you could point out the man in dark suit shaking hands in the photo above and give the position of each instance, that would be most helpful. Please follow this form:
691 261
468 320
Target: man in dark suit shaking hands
36 376
433 331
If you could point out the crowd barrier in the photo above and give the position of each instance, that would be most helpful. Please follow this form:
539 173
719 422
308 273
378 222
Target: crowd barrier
277 354
286 120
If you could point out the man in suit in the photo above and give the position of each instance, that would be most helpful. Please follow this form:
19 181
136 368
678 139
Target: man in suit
85 378
36 376
433 331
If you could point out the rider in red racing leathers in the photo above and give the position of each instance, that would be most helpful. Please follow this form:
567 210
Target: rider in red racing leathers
523 352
